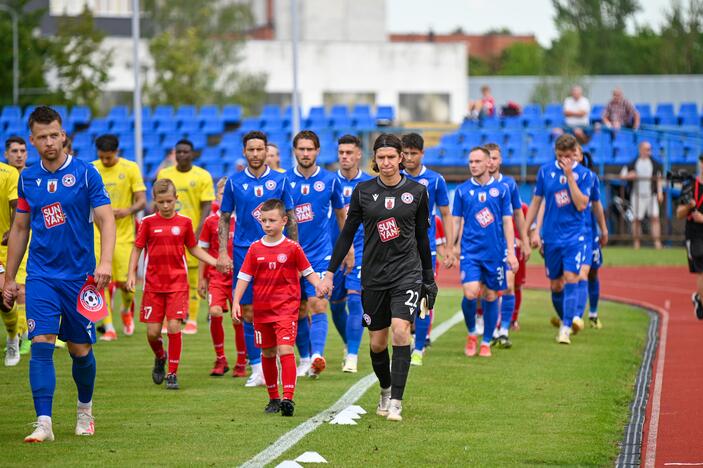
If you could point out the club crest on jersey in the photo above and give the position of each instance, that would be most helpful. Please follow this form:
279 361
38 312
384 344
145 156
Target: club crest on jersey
407 198
68 180
494 192
388 229
390 203
192 183
53 215
259 190
30 325
319 186
424 182
121 176
347 191
482 197
271 184
175 230
52 185
304 189
303 213
562 179
367 319
282 258
257 212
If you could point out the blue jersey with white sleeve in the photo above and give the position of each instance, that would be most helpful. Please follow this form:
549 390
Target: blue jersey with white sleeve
244 194
437 196
347 186
511 185
60 207
482 208
563 223
590 225
314 199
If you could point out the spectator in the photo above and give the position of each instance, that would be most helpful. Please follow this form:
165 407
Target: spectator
577 110
484 107
647 192
620 113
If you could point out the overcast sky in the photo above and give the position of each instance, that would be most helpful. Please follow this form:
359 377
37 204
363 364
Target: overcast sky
478 16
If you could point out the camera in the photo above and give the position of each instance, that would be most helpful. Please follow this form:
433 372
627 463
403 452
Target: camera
681 183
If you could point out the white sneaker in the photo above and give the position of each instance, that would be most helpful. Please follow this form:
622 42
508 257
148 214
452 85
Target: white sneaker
12 353
564 335
479 324
384 402
394 409
85 425
303 367
350 363
256 379
577 325
42 431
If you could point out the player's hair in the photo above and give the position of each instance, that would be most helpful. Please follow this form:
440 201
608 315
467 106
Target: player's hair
492 147
254 135
185 141
566 142
221 183
413 140
587 159
307 135
387 140
163 186
272 145
14 139
349 140
482 149
274 204
43 115
107 142
68 144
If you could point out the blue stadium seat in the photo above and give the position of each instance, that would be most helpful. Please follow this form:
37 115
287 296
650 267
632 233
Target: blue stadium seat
339 110
431 156
10 113
492 136
120 126
198 139
490 123
163 113
150 140
645 110
186 112
189 125
596 113
340 121
216 169
28 110
208 112
664 115
385 115
512 123
16 127
532 109
450 139
231 114
165 126
231 139
688 114
118 113
169 141
213 127
249 124
469 124
99 126
692 148
153 155
532 122
512 153
515 136
82 139
288 117
362 111
674 150
210 154
80 115
470 138
127 153
126 140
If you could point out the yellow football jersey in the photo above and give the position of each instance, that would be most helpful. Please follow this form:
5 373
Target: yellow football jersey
121 181
8 192
193 187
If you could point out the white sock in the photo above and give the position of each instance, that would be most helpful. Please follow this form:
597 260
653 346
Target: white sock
44 419
85 406
503 331
256 369
314 356
109 327
354 356
565 329
13 341
305 360
593 314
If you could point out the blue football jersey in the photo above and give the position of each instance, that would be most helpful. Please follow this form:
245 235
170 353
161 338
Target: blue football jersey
60 206
482 207
563 223
348 186
515 200
244 194
437 196
590 225
314 199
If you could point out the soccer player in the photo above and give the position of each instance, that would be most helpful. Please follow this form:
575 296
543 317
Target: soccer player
565 186
520 275
124 183
315 192
245 193
273 157
165 235
195 194
217 288
397 267
274 263
484 215
413 152
58 199
507 300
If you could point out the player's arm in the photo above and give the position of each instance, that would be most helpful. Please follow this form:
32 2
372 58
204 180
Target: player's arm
509 234
132 268
597 208
105 220
344 241
532 214
202 281
348 261
521 225
6 234
422 224
291 226
17 245
224 263
239 289
578 198
449 230
138 204
201 255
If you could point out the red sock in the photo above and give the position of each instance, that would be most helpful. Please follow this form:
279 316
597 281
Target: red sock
218 335
270 368
158 347
131 308
174 352
518 301
288 375
241 344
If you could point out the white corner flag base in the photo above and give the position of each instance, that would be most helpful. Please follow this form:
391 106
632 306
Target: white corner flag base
289 464
356 409
311 457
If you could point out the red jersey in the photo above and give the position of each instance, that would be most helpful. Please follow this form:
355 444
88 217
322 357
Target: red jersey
439 236
209 241
165 241
275 270
524 212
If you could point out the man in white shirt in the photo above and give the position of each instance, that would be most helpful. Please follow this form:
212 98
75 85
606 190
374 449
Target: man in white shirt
577 109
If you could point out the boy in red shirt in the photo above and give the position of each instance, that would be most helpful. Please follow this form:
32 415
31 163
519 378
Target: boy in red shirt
165 235
216 287
275 264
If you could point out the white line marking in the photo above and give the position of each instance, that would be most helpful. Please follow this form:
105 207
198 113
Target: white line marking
657 394
684 464
295 435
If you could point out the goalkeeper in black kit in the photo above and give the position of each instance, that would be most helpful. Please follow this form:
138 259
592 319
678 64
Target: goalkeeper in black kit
396 272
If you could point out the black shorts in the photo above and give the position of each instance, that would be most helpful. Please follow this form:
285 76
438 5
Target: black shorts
397 302
694 252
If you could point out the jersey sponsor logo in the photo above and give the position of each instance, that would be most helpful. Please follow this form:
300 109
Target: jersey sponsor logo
175 230
257 212
53 215
390 203
562 179
485 217
407 198
68 180
482 197
259 190
270 184
562 198
304 189
319 186
282 258
303 213
52 185
424 182
375 196
388 229
347 191
494 192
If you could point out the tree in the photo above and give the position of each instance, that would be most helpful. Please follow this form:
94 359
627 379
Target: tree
522 59
80 64
563 65
682 38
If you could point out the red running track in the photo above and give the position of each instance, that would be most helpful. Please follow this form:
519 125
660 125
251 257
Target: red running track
673 431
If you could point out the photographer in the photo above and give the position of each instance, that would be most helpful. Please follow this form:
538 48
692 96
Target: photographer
690 207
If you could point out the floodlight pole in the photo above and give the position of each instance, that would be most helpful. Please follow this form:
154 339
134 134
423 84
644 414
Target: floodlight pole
137 95
295 102
15 53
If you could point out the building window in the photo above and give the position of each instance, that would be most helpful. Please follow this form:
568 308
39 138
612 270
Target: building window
424 107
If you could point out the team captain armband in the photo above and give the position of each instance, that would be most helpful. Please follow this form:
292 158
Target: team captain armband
22 205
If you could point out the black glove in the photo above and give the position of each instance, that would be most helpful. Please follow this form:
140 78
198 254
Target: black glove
429 288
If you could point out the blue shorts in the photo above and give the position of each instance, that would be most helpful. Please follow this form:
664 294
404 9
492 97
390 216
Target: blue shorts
353 279
561 258
491 273
239 254
339 289
51 309
587 253
307 289
597 256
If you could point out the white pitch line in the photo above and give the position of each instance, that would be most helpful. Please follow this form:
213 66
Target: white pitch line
295 435
651 456
683 464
